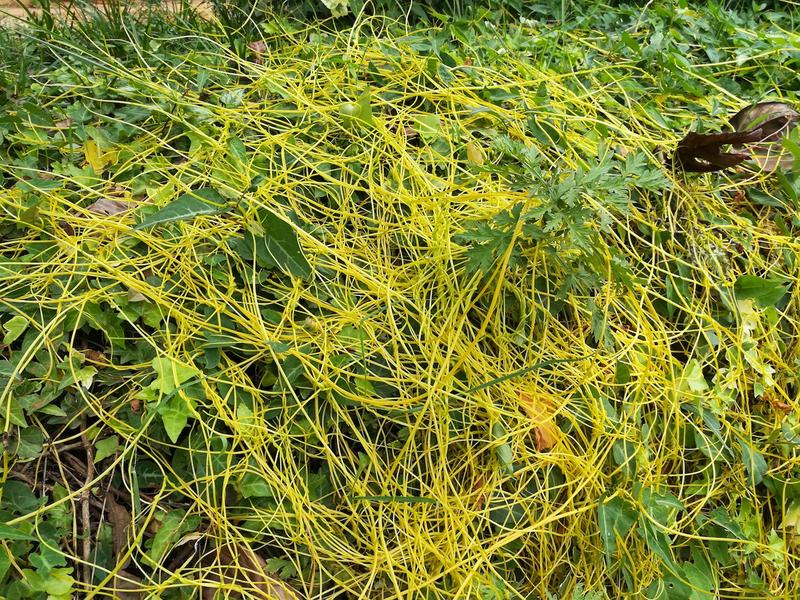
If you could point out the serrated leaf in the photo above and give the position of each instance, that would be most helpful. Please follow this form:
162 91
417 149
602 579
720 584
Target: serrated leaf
188 206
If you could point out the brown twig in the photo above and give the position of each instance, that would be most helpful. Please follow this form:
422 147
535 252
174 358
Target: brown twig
85 512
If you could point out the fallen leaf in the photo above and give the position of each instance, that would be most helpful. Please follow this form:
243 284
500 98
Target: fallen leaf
776 120
241 567
95 356
258 48
109 208
702 152
541 410
120 520
756 129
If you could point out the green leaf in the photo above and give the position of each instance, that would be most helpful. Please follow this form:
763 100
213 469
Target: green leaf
29 443
105 448
615 517
252 485
661 507
19 497
8 532
279 247
204 201
172 527
428 127
175 414
504 453
754 463
14 328
47 559
766 292
238 151
57 584
693 375
171 374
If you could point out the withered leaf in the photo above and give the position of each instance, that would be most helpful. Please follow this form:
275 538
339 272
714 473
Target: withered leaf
241 567
702 152
541 410
774 119
756 127
109 208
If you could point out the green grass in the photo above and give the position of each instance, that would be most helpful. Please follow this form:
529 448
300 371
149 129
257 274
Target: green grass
383 311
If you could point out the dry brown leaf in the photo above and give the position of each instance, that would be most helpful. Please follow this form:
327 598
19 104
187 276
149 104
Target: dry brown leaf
128 587
120 520
258 48
95 356
757 130
109 208
244 568
541 410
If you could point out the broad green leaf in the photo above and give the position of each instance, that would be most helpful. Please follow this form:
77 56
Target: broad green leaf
57 584
661 507
47 558
615 518
171 374
428 127
174 524
238 151
175 414
252 485
193 204
18 497
29 443
10 533
105 448
766 292
278 247
657 541
14 328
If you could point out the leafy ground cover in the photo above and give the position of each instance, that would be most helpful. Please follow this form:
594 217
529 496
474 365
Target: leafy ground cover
362 310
